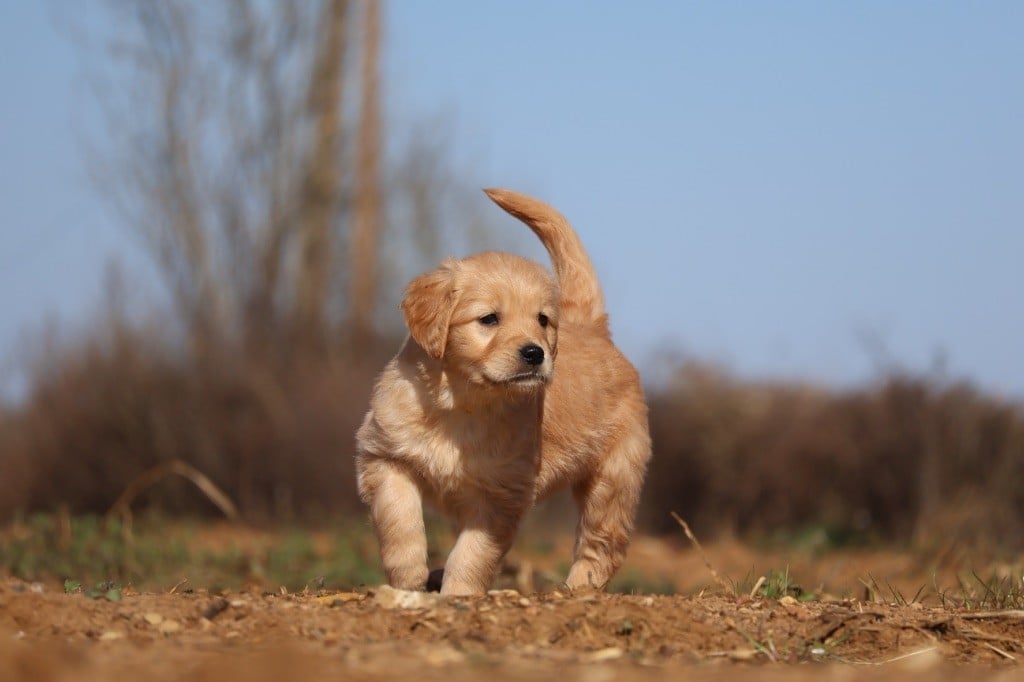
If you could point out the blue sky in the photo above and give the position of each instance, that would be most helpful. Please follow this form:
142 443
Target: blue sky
760 184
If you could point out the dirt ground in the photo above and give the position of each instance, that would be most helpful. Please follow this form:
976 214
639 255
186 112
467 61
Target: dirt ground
850 613
386 634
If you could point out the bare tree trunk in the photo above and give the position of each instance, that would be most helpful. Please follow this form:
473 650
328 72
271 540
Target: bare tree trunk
367 210
182 240
229 157
258 244
324 179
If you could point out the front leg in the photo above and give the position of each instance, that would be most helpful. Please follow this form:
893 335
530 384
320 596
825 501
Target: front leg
396 507
479 549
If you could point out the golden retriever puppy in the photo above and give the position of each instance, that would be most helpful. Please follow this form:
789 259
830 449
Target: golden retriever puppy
508 388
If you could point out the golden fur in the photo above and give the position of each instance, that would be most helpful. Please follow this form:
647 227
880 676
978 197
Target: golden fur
473 418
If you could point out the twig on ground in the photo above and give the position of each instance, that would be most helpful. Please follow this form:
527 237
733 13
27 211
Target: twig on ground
176 467
986 637
175 588
902 657
693 539
1010 614
769 653
1000 651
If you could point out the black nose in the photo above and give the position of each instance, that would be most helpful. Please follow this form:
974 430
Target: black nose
532 353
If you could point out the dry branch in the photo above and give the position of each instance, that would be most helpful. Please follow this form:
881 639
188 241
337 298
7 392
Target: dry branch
174 467
1009 614
693 539
1000 651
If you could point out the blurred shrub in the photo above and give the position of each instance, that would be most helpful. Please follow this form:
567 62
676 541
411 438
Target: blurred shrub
276 434
908 458
905 459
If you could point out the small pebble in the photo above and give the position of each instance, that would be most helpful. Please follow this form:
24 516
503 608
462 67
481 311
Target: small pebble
169 627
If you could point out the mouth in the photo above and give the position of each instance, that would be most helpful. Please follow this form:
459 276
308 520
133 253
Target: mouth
527 378
522 380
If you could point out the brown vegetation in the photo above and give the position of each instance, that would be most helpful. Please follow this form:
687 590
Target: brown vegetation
906 458
276 436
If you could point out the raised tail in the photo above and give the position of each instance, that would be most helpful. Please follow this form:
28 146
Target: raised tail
579 291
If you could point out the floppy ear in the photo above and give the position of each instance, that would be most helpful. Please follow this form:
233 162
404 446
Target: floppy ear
428 305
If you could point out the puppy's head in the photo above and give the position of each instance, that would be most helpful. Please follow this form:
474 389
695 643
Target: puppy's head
492 317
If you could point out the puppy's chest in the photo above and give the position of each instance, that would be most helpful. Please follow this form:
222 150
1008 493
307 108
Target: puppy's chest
466 453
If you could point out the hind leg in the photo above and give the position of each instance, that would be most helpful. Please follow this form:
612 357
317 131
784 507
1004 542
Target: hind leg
607 505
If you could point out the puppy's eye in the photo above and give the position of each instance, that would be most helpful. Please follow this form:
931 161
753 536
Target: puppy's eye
543 319
489 320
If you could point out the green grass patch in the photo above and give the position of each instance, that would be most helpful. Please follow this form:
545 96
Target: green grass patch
157 554
774 584
1002 589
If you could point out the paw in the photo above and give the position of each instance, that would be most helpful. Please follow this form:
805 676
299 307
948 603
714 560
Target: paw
413 578
585 576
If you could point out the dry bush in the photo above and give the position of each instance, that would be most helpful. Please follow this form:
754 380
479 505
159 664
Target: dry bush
905 459
275 434
908 458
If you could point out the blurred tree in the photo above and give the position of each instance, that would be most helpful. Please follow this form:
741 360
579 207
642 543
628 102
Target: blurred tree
263 203
367 209
246 145
323 182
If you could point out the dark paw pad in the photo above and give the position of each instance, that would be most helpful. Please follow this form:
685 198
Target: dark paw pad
435 579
